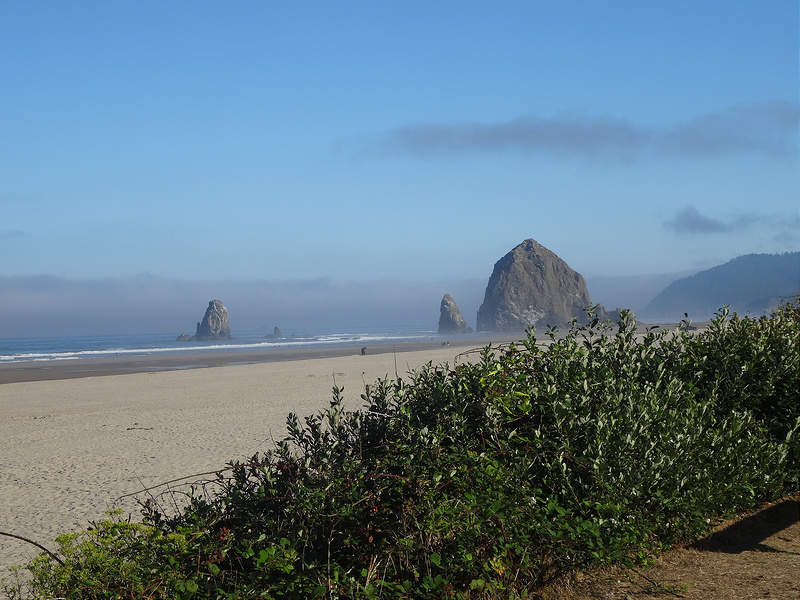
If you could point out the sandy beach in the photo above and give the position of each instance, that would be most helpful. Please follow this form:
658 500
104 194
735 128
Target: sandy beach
75 436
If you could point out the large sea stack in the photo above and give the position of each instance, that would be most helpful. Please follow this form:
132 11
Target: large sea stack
531 286
215 325
450 319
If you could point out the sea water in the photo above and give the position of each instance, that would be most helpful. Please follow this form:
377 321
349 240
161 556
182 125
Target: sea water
76 348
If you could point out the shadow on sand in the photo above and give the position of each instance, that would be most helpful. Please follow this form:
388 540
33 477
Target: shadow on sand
750 533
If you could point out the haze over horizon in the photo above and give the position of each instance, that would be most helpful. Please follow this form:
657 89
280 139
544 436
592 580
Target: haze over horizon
320 163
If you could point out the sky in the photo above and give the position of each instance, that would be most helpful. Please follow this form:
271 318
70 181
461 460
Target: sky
155 155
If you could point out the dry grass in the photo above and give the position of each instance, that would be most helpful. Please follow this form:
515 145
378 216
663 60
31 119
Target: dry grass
755 556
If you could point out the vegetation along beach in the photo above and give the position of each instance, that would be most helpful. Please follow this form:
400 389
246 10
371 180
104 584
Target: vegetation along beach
503 472
399 300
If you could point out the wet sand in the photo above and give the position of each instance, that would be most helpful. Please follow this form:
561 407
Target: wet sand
94 367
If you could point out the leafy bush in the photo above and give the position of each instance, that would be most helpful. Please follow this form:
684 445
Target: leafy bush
111 553
488 479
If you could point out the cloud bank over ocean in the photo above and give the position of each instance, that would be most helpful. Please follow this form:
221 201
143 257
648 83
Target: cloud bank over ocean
45 306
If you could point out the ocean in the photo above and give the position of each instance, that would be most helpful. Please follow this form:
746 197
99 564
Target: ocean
77 348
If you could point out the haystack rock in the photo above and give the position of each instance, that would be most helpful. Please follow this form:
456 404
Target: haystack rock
215 325
450 319
531 286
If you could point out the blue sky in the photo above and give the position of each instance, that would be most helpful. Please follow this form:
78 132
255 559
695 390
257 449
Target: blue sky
412 142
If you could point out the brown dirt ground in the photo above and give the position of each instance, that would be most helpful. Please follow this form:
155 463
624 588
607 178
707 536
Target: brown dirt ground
755 556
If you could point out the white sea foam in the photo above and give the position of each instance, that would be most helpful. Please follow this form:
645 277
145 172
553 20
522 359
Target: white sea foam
77 348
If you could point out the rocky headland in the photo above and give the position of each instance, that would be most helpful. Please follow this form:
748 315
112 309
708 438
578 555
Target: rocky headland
753 283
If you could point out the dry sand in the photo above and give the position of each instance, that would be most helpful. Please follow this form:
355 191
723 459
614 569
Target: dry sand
75 440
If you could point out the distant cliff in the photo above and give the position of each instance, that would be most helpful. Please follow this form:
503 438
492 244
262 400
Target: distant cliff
531 286
754 283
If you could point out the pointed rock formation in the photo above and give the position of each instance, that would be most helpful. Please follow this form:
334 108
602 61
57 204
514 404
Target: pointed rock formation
531 286
275 335
215 325
450 319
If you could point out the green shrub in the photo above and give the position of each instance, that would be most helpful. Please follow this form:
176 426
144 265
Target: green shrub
112 552
488 479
